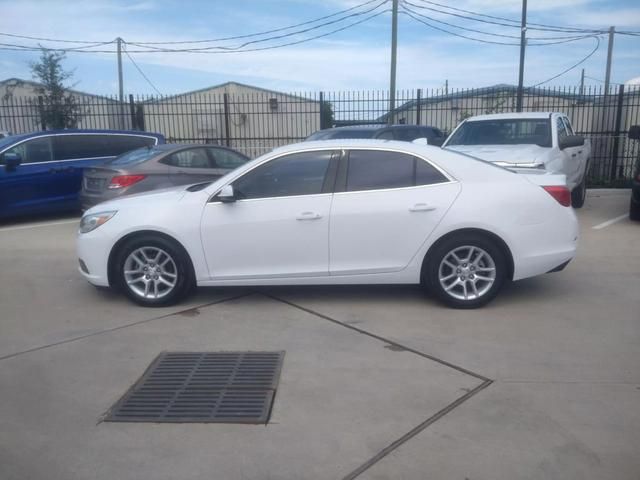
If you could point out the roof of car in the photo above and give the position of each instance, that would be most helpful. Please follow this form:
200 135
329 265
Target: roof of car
510 116
85 131
377 126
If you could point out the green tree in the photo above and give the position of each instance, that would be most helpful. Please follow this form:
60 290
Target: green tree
59 108
326 114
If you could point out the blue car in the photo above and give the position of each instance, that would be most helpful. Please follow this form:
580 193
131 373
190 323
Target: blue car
42 172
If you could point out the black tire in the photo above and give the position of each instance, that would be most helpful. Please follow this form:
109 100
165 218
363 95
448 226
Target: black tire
634 210
486 290
579 194
178 271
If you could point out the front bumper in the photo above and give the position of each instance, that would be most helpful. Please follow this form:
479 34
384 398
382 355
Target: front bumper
93 251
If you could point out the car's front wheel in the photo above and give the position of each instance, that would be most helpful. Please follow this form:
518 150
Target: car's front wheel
153 271
466 271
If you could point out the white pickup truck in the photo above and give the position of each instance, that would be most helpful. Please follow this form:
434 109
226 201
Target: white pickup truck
544 141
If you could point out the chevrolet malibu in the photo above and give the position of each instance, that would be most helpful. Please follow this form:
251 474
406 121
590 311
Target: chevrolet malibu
336 212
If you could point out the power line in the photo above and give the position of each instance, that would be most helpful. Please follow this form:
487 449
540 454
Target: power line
141 72
514 23
573 66
564 39
415 15
277 37
237 37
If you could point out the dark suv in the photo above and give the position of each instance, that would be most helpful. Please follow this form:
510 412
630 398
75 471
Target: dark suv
42 172
405 133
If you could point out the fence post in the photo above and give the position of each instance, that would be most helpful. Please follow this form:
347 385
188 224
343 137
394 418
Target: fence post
132 113
322 120
419 100
616 133
43 123
226 120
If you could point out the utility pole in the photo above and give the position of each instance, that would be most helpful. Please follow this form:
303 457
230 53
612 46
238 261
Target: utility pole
523 43
582 82
607 77
394 48
120 84
446 87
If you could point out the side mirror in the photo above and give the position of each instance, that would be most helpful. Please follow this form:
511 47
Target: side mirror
571 141
634 132
421 141
11 161
226 194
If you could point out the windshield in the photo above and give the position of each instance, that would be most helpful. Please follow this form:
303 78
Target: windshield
134 157
534 131
331 134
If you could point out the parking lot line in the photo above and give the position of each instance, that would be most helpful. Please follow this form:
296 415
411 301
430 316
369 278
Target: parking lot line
38 225
610 222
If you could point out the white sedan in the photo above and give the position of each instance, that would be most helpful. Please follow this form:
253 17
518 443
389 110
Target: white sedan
336 212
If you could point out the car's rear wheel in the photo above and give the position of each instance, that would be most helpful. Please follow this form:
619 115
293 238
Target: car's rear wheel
153 271
466 271
579 194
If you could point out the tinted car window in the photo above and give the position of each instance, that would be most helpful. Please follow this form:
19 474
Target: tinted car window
118 144
192 158
427 174
385 135
407 134
226 158
135 156
295 174
372 170
68 147
34 151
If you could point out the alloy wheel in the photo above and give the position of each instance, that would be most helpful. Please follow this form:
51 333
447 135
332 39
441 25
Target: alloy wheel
150 272
467 272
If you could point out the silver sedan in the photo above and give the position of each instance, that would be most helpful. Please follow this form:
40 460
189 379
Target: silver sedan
156 167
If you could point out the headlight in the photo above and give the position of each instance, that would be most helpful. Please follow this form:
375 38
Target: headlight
91 222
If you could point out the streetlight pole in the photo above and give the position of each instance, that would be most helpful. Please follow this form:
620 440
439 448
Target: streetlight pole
523 43
394 48
120 83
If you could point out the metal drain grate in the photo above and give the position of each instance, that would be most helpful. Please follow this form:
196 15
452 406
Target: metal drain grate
214 387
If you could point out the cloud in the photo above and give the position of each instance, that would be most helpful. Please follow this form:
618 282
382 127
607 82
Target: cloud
626 17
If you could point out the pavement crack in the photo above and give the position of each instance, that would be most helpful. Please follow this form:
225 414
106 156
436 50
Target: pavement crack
186 312
390 344
415 431
395 346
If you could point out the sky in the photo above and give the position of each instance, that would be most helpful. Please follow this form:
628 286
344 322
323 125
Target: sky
356 58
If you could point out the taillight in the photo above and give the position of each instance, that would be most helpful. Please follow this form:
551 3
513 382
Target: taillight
121 181
560 193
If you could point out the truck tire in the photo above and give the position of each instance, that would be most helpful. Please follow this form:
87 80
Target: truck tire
579 193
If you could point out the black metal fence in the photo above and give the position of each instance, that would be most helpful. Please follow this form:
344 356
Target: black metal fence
255 121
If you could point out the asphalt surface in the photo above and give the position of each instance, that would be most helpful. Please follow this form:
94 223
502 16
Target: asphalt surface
377 383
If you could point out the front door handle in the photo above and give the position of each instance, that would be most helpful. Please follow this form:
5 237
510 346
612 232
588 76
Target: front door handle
309 216
422 207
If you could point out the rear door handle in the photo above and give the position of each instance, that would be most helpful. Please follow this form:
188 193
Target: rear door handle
309 216
422 207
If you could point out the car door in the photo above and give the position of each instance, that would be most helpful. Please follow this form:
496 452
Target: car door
578 156
385 206
279 224
32 185
569 155
190 165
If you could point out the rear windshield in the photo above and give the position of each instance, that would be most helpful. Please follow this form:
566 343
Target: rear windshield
504 132
135 156
339 134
